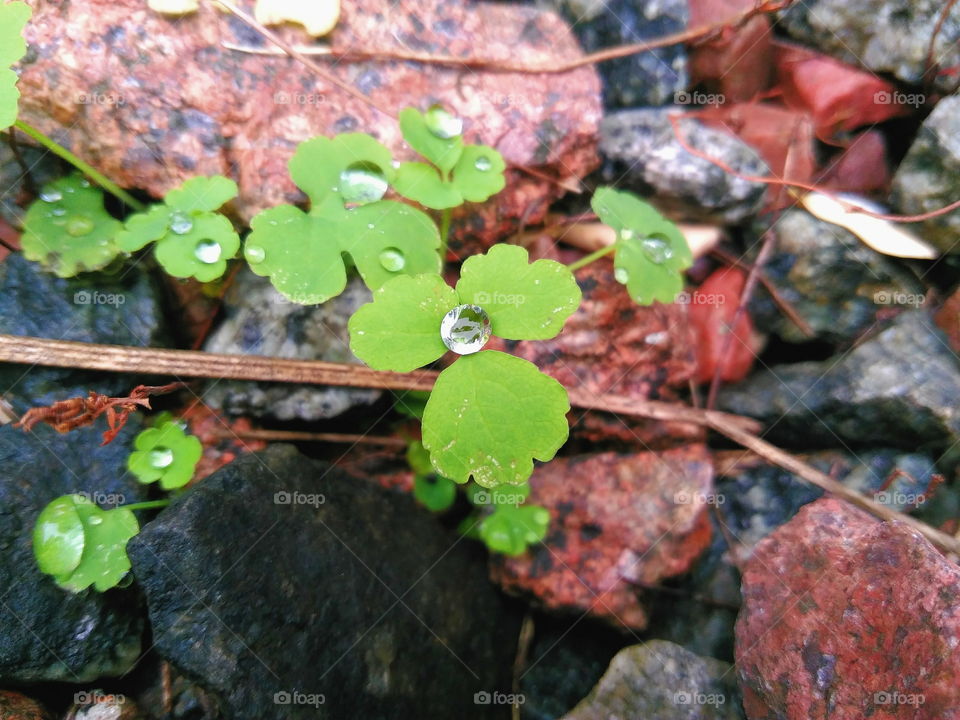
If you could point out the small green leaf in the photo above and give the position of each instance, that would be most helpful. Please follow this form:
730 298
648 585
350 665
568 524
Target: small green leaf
58 537
411 403
338 166
422 183
13 19
490 415
202 251
525 301
165 453
202 194
500 495
426 134
400 329
143 228
67 229
511 529
478 174
434 492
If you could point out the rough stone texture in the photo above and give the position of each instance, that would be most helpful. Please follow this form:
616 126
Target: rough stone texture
645 79
661 680
927 179
47 633
900 389
40 304
362 598
836 283
885 36
260 321
848 617
948 319
14 706
615 520
153 101
641 153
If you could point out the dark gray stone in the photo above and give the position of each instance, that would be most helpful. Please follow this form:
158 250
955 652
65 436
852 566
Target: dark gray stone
929 176
362 599
260 321
641 153
47 633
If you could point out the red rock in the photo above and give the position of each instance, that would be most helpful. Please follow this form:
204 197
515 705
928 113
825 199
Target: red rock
220 437
948 319
848 617
713 307
14 706
151 101
614 520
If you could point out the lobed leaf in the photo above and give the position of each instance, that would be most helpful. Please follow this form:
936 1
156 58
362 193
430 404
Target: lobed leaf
165 453
442 152
319 165
510 529
421 182
13 20
202 251
478 174
202 194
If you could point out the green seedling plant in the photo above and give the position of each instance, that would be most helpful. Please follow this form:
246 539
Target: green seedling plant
434 492
502 521
165 453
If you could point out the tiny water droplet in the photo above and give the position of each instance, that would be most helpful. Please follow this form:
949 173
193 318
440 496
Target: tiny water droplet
254 254
161 457
79 226
621 275
208 251
369 226
84 182
482 163
180 223
95 520
362 183
626 234
442 124
58 211
465 329
51 196
392 259
657 250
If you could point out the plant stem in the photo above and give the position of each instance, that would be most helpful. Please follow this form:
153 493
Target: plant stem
445 217
146 505
587 259
95 175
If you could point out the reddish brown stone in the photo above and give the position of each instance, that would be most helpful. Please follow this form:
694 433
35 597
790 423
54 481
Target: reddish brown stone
220 438
14 706
615 520
848 617
151 101
948 319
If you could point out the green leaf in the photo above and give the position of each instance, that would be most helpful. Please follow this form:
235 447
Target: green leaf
322 166
202 194
478 174
422 183
441 151
490 415
67 229
411 403
510 529
13 19
200 252
500 495
651 252
71 523
434 492
525 301
400 329
298 253
165 453
143 228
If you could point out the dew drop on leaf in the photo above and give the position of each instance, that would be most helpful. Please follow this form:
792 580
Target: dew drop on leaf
621 275
161 457
442 124
180 223
362 183
58 212
626 234
80 226
392 259
254 254
51 196
208 251
465 329
657 250
95 520
482 163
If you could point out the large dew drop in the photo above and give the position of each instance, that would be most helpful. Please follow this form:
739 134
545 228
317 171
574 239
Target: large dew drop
657 250
208 251
51 196
254 254
482 163
180 223
621 275
465 329
442 124
161 457
362 183
392 259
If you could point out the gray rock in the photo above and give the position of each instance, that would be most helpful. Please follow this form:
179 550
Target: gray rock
267 592
929 176
661 680
641 153
836 283
47 633
643 79
888 36
260 321
899 389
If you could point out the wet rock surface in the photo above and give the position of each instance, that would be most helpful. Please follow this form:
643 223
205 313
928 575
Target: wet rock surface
47 633
927 179
615 521
14 706
260 321
287 604
658 679
641 152
849 617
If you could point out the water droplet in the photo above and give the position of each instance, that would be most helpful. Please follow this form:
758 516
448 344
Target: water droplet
621 275
161 457
626 234
208 251
442 124
656 249
465 329
95 520
180 223
482 163
79 226
58 211
392 259
254 254
51 196
84 182
362 183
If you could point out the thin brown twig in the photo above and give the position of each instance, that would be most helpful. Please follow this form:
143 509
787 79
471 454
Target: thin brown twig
930 66
299 436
